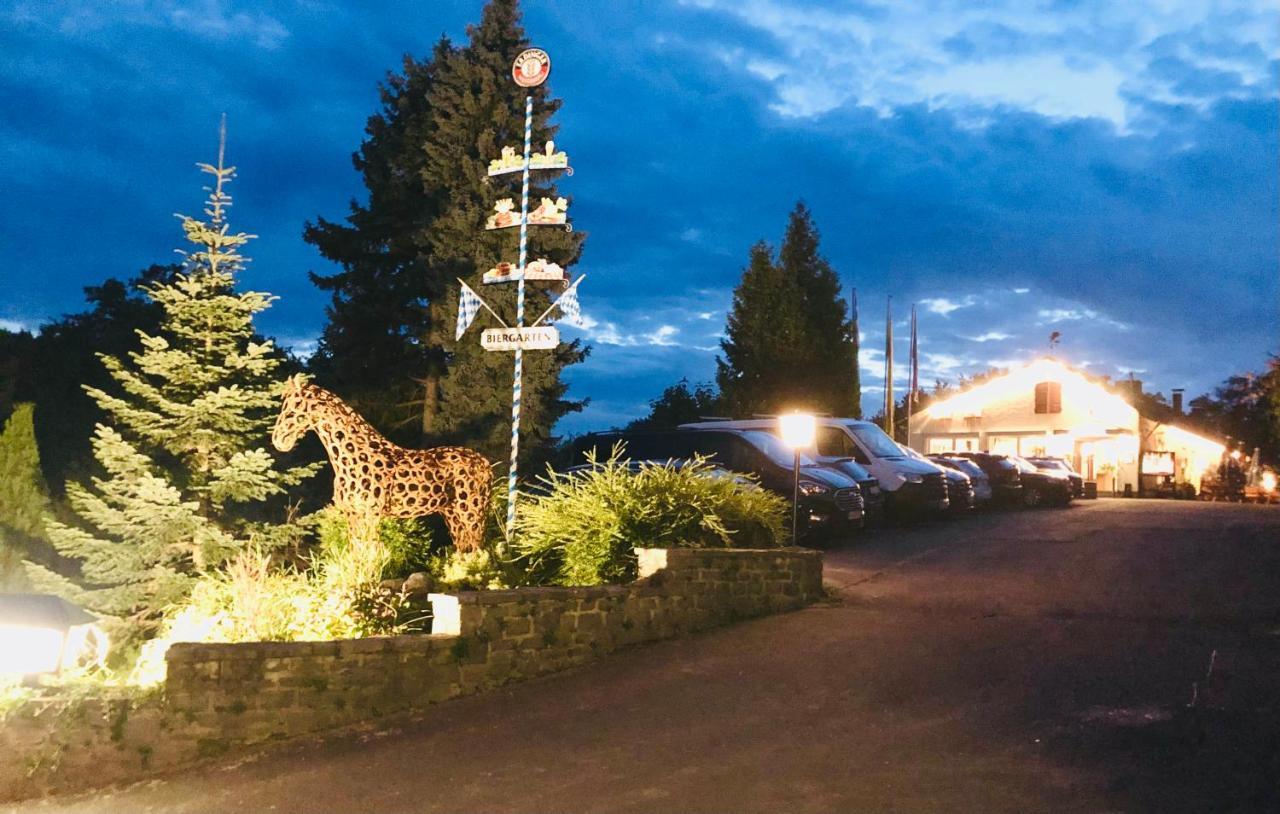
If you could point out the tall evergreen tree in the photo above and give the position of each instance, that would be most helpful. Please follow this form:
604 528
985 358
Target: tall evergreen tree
389 346
375 349
24 500
789 343
478 110
183 455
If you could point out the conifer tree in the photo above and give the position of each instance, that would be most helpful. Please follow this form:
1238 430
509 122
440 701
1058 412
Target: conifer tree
374 350
478 110
788 341
182 454
389 346
24 500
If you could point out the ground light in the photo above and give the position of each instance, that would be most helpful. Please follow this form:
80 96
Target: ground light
41 634
797 431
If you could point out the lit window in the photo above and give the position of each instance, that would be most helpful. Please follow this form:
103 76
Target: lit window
1049 397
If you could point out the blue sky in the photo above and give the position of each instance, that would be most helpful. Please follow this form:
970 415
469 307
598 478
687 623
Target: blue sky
1106 170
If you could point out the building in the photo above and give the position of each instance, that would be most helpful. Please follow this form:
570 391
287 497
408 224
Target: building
1047 408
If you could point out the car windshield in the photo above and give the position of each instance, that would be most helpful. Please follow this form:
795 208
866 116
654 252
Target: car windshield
875 441
1049 463
772 446
1023 465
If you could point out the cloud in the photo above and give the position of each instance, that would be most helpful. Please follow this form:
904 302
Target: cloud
1156 212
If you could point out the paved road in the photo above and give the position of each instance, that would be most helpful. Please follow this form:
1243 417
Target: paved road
1056 660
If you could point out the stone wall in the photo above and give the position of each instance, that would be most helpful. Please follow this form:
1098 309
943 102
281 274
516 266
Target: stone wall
220 697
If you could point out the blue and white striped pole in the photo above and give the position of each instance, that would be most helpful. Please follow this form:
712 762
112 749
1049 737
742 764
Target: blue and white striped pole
515 382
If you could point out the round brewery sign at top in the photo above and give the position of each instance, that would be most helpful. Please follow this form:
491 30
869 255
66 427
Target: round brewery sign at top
531 68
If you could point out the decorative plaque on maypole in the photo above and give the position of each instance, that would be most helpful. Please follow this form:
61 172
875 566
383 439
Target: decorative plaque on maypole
530 69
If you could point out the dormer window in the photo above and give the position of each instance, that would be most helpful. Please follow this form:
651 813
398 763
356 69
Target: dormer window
1049 397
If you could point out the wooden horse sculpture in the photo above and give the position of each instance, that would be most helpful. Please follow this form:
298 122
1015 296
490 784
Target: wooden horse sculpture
374 478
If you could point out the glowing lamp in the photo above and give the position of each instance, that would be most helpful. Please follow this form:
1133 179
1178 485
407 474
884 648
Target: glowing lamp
1235 453
1268 481
40 633
797 430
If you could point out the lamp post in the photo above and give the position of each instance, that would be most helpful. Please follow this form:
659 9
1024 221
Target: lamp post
41 634
797 431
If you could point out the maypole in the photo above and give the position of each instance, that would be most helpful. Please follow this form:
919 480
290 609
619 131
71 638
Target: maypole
530 70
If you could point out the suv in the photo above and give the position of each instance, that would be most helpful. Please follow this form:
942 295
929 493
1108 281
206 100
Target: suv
981 486
1061 465
1003 474
908 485
830 501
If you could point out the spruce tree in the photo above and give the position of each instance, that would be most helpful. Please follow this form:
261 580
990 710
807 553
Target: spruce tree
389 346
478 110
24 500
788 342
183 453
374 349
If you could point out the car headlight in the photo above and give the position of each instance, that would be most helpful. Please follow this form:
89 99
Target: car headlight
809 488
913 478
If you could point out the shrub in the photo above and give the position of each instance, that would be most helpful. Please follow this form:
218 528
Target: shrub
583 530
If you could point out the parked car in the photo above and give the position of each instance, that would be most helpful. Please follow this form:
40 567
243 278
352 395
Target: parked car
830 502
981 484
960 493
868 486
1043 487
1002 474
909 486
1061 465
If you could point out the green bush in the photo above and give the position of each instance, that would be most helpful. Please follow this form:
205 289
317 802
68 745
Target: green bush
584 529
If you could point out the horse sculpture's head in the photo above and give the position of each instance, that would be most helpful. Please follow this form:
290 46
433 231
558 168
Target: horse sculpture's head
295 415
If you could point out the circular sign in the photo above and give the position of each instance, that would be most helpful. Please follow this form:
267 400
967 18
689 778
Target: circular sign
531 68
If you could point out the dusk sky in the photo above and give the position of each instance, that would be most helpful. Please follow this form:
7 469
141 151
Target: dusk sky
1107 170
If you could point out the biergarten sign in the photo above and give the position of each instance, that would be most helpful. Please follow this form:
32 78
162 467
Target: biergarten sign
542 337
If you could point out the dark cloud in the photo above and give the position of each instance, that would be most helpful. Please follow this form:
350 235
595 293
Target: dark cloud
1153 244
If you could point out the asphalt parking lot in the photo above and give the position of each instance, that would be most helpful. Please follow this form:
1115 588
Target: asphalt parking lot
1112 656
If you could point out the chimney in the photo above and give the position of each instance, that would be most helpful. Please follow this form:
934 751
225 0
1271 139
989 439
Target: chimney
1177 400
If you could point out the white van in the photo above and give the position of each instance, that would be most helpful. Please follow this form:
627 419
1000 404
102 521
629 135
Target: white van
909 485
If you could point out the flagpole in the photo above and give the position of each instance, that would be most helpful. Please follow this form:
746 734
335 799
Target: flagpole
888 366
515 382
915 373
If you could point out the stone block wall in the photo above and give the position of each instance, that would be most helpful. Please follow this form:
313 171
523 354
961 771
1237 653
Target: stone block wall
220 697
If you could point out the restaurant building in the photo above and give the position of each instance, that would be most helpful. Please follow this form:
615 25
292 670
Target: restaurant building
1048 408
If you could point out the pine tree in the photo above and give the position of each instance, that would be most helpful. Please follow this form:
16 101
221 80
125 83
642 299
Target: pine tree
183 455
478 110
374 350
24 500
679 404
389 346
788 342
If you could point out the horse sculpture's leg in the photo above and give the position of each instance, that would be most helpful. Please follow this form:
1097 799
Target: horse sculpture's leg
466 526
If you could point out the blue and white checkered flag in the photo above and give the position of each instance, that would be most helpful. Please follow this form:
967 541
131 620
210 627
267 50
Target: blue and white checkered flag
468 306
570 309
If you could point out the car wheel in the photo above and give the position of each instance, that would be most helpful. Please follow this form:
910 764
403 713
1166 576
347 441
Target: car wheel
1031 497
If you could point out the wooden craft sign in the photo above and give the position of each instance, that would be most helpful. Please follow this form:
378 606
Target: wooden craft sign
542 337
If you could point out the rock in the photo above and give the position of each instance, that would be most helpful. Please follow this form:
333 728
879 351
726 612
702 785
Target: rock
392 584
419 583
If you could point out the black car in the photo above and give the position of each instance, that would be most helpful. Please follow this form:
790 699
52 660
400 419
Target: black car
1061 465
959 491
1043 487
868 485
1003 474
830 501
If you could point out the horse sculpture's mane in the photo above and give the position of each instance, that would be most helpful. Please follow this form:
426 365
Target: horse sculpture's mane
346 413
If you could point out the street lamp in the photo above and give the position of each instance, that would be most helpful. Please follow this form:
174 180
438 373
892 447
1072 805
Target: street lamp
797 431
40 633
